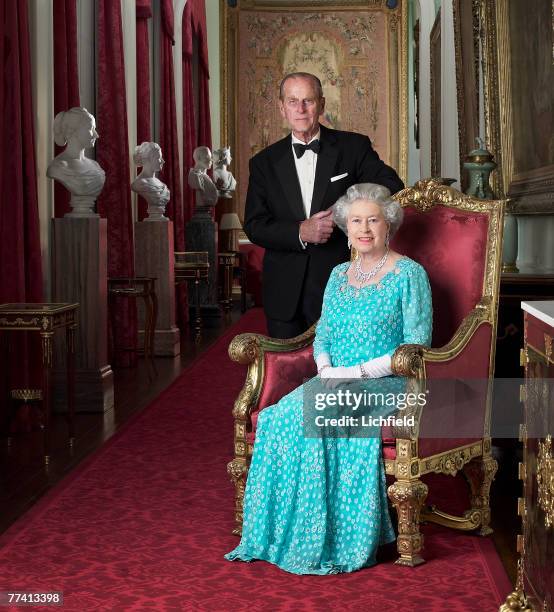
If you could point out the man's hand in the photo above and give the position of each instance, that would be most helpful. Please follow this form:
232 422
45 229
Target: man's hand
317 228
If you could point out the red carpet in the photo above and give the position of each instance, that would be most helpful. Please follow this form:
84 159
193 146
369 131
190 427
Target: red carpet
144 524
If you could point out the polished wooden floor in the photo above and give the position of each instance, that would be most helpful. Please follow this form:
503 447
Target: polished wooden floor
24 478
23 475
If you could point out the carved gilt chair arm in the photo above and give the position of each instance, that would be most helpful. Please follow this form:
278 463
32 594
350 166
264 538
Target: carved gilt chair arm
254 350
411 359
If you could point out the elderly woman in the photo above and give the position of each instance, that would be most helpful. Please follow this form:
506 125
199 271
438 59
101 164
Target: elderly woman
148 155
318 505
80 175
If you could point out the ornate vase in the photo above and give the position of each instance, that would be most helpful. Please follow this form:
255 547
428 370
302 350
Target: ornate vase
479 164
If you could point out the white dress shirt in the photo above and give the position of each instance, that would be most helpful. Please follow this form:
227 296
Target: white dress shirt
305 169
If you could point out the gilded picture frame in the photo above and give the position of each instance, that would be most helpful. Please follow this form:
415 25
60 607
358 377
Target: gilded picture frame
264 126
466 43
435 74
518 67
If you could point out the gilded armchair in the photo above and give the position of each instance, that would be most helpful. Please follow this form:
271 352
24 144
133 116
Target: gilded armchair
458 241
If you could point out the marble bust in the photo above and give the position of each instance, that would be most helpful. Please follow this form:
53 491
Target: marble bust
206 191
81 176
224 180
148 155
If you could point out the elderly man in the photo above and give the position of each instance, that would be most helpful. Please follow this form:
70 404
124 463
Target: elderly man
292 184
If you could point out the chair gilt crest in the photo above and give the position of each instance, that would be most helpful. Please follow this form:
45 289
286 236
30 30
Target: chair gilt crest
458 240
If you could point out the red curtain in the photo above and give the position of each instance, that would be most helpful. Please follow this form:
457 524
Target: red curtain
66 78
112 153
189 127
194 23
169 143
20 253
19 219
204 123
143 14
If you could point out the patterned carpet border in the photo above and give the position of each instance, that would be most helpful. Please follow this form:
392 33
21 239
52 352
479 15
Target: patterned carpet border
144 522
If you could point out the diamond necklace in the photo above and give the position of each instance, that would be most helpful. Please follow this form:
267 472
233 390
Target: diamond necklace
363 277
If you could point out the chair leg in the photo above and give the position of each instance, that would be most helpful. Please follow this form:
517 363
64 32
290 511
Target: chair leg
480 473
408 496
238 471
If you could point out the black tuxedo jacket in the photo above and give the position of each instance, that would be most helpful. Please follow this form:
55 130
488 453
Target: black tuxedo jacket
274 211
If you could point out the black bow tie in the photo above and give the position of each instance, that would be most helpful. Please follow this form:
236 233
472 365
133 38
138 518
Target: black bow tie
300 149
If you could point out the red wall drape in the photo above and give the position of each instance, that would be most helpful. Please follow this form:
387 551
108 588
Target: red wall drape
66 78
112 153
204 122
143 14
168 125
171 173
189 132
20 255
194 22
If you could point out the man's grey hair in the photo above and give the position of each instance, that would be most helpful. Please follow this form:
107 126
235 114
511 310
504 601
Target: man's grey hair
392 211
301 75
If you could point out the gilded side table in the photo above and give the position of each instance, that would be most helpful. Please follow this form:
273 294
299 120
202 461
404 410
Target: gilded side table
193 266
229 262
46 319
535 583
142 287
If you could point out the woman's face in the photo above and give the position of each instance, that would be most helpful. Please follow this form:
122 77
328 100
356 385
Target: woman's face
86 133
367 228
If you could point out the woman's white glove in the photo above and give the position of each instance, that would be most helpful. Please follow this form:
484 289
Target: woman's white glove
333 377
375 368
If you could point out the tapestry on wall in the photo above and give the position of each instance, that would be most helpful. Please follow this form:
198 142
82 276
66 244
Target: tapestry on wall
356 54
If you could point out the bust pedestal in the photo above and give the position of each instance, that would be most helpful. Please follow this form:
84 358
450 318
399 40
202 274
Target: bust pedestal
154 256
201 235
80 274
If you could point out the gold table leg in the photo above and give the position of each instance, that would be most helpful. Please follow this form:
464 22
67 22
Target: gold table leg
198 319
70 356
46 372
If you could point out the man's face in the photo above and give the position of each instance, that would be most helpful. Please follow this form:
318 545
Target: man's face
301 107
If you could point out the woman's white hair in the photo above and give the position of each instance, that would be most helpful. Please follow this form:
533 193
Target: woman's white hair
371 192
144 152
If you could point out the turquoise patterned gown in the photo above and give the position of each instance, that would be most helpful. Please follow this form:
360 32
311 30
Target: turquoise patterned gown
319 505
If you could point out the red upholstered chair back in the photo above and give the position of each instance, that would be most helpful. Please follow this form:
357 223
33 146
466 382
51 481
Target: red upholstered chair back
451 245
284 372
